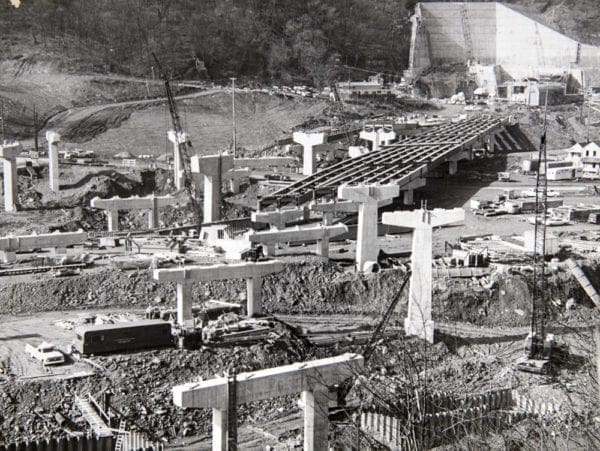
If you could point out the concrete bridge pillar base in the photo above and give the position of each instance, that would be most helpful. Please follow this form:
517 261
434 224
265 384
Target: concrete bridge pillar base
113 220
8 257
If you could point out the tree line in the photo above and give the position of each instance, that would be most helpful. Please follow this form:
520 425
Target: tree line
264 40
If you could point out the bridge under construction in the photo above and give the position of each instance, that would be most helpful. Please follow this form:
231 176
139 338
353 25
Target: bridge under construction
401 163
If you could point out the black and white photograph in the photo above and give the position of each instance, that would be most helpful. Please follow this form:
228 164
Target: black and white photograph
319 225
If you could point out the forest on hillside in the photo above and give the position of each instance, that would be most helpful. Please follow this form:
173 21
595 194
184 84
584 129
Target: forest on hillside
312 41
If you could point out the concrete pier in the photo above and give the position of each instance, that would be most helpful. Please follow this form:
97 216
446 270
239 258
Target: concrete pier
179 141
419 320
53 139
8 153
408 190
312 379
150 203
368 197
212 168
58 242
308 142
184 276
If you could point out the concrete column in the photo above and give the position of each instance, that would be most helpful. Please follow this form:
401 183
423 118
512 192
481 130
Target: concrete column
254 301
490 143
308 141
178 140
53 139
323 247
269 250
234 186
219 429
327 218
184 303
368 197
316 419
408 197
418 321
212 198
8 257
153 214
452 167
366 240
113 220
10 185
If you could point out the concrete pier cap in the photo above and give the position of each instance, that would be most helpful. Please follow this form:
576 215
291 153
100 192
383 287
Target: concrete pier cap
309 140
252 272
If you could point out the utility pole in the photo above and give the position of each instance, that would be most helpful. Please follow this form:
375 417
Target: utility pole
2 118
35 128
233 114
589 96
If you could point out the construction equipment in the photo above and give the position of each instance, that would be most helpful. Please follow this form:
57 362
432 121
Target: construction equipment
539 344
339 109
183 155
371 344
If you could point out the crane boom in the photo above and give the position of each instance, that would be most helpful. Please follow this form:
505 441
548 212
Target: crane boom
369 348
184 157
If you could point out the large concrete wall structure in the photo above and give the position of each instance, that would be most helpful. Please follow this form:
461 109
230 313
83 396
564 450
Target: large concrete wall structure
448 27
495 34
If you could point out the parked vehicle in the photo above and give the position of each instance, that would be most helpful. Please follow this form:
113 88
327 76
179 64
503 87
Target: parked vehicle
504 176
105 338
531 193
281 177
45 353
253 254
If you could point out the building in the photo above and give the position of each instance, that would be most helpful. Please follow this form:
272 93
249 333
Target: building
373 86
586 158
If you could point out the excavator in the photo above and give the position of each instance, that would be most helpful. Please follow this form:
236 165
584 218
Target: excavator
184 154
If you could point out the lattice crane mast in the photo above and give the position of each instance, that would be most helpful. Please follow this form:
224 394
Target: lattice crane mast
538 346
184 155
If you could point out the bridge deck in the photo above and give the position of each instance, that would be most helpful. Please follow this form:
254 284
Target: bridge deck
399 163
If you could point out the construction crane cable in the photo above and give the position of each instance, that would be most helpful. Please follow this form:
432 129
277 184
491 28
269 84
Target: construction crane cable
184 155
538 312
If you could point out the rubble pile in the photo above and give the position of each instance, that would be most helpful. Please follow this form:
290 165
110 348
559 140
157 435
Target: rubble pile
141 384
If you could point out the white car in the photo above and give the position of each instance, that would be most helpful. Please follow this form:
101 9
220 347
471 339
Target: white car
550 221
531 193
45 353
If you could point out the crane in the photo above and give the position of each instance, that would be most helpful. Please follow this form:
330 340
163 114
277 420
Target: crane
339 109
184 157
370 346
539 346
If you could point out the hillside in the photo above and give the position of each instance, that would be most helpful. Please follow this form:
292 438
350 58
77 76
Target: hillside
58 54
